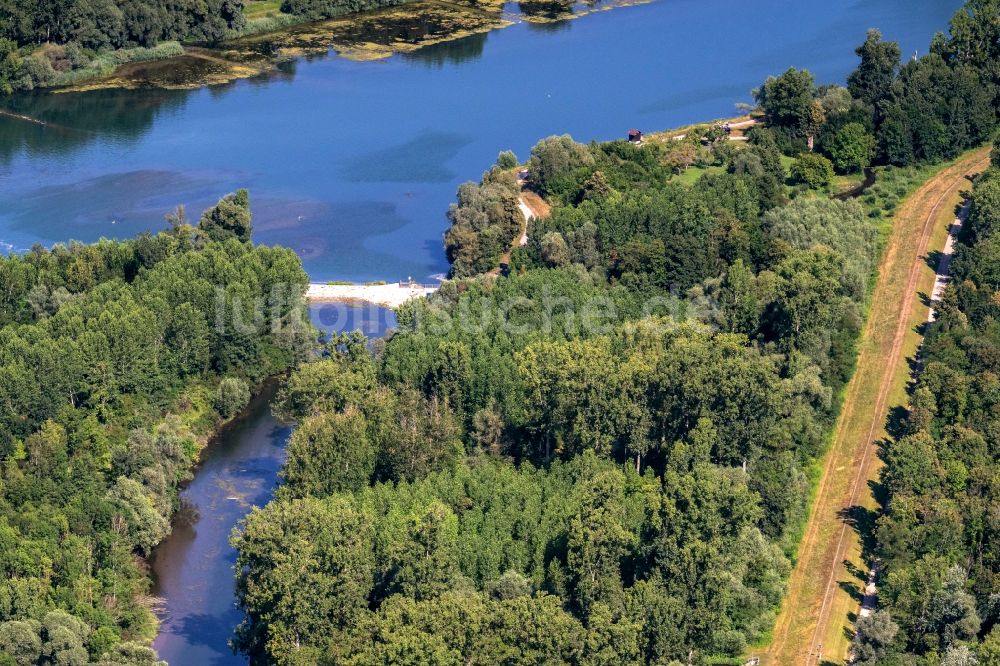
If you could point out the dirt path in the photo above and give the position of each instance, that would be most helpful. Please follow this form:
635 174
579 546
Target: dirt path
944 263
810 626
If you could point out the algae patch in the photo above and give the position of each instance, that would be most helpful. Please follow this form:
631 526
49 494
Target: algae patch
375 35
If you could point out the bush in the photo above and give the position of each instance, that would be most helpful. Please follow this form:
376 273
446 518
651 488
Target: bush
851 149
38 68
232 395
507 160
813 170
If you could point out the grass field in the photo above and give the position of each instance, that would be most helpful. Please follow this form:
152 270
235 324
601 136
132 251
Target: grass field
259 8
814 625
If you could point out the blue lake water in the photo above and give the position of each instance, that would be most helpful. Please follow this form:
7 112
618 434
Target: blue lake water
353 164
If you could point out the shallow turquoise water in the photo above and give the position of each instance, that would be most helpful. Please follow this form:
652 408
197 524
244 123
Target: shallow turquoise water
354 164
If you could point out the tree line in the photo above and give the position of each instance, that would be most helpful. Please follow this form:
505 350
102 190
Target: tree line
43 42
117 360
630 491
604 456
40 40
937 536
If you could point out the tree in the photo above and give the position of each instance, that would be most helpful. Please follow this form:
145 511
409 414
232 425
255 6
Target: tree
598 541
960 655
975 35
328 453
507 160
11 73
873 78
952 611
787 99
813 170
187 336
230 218
874 636
841 226
989 649
555 251
425 563
232 395
21 641
556 157
895 139
304 573
995 153
422 436
137 515
851 149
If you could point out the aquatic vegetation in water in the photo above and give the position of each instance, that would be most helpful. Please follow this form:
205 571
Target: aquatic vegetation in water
374 35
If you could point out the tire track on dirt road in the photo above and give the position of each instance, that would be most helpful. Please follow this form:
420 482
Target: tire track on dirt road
805 616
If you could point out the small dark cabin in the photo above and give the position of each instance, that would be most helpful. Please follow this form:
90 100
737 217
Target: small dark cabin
634 136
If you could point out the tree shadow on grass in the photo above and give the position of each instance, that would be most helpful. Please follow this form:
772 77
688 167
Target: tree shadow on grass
933 258
855 570
851 588
895 424
862 521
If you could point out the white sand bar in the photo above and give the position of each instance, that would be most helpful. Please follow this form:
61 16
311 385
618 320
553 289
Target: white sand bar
390 295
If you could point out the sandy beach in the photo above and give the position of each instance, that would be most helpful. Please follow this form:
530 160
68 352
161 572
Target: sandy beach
390 295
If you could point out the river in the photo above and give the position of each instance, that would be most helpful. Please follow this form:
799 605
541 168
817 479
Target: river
353 164
193 567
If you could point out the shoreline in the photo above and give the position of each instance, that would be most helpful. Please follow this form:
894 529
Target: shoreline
390 295
283 38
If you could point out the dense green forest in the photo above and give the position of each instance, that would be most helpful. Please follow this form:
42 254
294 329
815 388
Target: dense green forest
939 534
41 41
605 456
117 361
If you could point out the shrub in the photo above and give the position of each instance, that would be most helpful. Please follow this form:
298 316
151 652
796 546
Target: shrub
507 160
232 395
38 68
851 149
813 170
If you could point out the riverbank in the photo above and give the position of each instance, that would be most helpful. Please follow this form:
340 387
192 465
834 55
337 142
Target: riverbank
273 39
390 295
191 568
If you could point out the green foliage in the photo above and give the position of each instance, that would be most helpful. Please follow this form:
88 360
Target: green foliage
874 638
315 10
787 99
111 33
840 225
554 159
507 160
940 474
93 454
812 170
454 557
484 223
555 465
230 218
873 78
232 396
329 453
851 149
